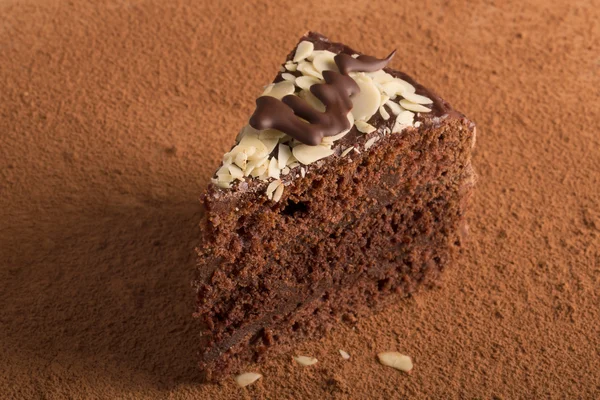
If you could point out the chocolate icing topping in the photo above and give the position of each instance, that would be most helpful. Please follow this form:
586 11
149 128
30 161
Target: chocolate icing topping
335 94
346 63
285 115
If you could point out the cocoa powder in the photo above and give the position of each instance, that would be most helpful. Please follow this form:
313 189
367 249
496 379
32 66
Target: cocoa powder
114 114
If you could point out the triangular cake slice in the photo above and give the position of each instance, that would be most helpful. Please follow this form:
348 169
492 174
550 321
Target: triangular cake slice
313 219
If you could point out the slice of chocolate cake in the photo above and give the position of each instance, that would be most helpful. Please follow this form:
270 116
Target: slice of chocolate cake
344 193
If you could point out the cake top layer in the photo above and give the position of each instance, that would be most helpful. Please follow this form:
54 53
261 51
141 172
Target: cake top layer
345 101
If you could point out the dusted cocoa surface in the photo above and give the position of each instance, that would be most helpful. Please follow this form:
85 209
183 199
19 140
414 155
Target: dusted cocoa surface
112 120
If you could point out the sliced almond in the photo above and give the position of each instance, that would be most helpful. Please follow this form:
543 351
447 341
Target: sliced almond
346 152
311 99
305 361
365 103
288 77
247 378
281 89
302 172
241 160
409 105
278 193
394 107
325 62
317 53
305 82
304 49
235 171
273 171
403 120
270 134
270 144
364 127
380 76
344 355
309 70
417 98
271 188
285 171
396 360
283 153
371 142
290 66
384 114
222 185
309 154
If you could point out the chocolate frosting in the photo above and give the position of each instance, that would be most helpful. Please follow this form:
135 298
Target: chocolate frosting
335 94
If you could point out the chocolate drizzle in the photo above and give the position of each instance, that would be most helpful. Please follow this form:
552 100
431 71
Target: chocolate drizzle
335 94
283 115
346 63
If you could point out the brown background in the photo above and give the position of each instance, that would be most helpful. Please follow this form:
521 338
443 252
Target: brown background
114 115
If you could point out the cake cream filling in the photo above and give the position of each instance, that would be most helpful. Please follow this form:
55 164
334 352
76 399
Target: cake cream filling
268 155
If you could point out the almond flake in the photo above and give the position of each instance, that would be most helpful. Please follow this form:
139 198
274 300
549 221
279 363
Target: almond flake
305 361
288 77
271 188
396 87
259 170
278 193
365 103
364 127
241 160
344 355
305 82
394 107
309 154
285 171
311 99
283 153
246 144
371 142
380 76
325 62
267 89
290 66
384 114
304 49
302 172
409 105
403 120
273 171
223 185
270 144
396 360
355 55
309 70
270 134
417 124
417 98
235 172
346 152
247 378
280 90
255 164
316 53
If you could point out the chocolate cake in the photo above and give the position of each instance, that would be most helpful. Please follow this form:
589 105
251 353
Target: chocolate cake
345 193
